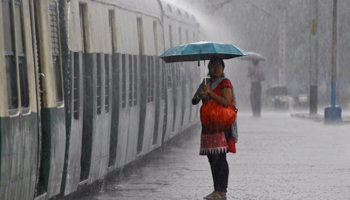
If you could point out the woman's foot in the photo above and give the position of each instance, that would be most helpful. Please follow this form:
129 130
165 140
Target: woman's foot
216 195
209 195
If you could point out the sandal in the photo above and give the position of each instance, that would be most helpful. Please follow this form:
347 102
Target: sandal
216 195
209 195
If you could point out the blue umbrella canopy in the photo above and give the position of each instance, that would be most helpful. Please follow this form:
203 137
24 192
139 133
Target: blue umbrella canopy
203 50
253 56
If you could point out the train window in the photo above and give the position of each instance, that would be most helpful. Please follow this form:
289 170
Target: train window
150 88
170 36
187 36
131 74
98 84
11 69
15 47
135 80
8 27
186 75
155 33
55 42
173 71
179 75
169 8
107 64
18 25
76 85
180 36
82 13
149 79
112 30
123 81
23 75
140 36
163 83
168 72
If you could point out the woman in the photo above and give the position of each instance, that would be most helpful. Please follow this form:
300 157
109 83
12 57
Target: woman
215 143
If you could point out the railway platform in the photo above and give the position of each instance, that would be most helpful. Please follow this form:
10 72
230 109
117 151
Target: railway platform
278 157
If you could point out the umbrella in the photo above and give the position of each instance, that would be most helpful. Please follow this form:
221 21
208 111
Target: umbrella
277 90
253 56
203 50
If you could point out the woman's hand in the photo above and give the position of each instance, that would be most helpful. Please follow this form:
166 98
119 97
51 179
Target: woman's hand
207 89
199 95
202 95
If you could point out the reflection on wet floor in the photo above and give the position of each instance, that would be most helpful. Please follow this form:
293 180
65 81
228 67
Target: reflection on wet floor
148 174
278 157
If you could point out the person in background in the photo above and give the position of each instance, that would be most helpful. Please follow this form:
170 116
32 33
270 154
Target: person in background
217 143
256 75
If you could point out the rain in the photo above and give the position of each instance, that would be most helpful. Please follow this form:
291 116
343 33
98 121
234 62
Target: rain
289 152
280 31
291 86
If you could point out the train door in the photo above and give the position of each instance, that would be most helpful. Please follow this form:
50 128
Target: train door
50 92
165 98
86 151
143 100
115 87
18 109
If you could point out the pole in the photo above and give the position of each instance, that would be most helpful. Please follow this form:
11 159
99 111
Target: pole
313 57
332 114
282 42
334 54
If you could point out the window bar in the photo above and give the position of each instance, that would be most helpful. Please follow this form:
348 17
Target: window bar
98 84
123 81
76 86
135 80
130 81
107 64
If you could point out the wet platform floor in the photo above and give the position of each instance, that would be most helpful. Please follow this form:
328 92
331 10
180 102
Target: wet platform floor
278 157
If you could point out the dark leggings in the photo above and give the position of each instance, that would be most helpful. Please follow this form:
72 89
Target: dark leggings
219 168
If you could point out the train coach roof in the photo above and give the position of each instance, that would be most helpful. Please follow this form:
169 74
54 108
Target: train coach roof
173 12
149 7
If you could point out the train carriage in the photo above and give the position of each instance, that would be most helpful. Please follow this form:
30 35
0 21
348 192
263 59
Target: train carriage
33 140
177 30
18 107
83 91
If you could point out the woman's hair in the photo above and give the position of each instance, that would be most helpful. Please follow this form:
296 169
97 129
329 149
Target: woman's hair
213 60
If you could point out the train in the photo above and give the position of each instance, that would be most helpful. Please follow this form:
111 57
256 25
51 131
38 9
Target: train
83 91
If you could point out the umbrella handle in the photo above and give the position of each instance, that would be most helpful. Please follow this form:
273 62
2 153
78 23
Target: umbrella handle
199 57
205 79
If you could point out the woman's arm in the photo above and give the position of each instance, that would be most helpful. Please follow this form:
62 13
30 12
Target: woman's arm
198 96
225 98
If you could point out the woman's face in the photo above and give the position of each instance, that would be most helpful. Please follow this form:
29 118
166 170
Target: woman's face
216 69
